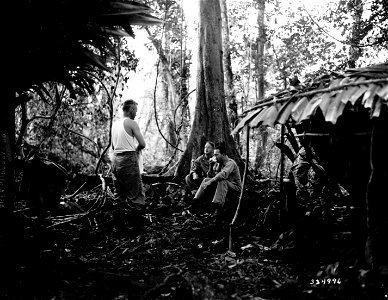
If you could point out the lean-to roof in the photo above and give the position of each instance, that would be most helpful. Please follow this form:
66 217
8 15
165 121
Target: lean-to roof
332 94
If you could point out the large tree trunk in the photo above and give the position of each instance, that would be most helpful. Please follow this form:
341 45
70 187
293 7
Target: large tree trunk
210 118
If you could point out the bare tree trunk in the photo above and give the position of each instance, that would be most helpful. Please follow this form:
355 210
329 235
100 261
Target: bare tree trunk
210 118
185 57
165 67
163 109
263 132
228 73
261 151
185 114
246 86
357 34
260 50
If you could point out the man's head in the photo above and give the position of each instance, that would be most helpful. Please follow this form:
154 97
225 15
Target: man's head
209 148
130 108
219 152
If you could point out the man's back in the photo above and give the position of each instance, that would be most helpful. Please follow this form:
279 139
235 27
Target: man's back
121 139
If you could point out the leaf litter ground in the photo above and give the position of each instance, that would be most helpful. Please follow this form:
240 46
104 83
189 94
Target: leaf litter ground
172 254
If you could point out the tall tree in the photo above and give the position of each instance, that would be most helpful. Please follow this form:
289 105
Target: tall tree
366 25
174 62
260 42
229 88
260 70
228 73
210 117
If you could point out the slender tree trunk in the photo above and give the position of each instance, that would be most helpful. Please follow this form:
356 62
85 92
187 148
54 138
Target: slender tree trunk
210 117
169 94
263 132
260 49
185 114
246 85
228 73
185 57
357 34
163 109
165 66
261 151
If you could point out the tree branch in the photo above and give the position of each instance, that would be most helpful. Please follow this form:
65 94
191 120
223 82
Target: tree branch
83 149
340 41
83 136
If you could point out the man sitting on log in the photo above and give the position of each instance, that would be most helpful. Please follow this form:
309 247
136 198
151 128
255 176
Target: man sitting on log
200 167
226 181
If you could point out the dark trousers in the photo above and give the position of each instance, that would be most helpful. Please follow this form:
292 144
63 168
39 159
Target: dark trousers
127 179
193 184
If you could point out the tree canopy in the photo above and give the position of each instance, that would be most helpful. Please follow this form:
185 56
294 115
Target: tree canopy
62 41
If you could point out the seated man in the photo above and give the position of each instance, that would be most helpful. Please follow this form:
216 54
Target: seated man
226 180
200 167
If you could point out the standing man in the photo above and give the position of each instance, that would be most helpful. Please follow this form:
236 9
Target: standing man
226 180
200 167
127 141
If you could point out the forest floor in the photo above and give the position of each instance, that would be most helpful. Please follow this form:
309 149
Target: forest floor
172 254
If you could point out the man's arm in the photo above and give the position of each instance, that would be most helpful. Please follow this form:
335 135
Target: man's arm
196 167
213 169
131 125
225 172
196 164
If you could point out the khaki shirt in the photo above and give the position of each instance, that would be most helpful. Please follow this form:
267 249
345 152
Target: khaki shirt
200 166
229 171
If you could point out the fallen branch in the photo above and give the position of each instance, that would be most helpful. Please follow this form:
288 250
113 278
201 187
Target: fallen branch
67 197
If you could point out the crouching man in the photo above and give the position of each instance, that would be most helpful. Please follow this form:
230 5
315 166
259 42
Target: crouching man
226 181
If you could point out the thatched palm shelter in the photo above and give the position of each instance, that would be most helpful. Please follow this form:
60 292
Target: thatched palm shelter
343 117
